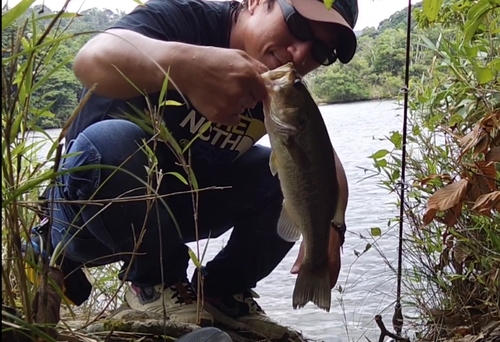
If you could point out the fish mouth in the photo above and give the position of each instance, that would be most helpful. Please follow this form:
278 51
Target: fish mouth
280 76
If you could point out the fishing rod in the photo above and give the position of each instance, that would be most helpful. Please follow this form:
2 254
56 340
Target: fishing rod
397 318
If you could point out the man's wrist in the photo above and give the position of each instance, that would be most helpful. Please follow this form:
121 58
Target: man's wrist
339 233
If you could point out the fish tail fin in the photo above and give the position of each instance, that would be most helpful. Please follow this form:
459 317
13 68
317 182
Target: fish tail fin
313 285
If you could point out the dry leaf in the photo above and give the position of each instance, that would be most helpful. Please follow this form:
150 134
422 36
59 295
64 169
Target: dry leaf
444 177
470 140
479 138
490 121
489 173
479 187
445 198
452 215
428 216
485 203
449 196
482 145
462 331
493 155
496 140
460 253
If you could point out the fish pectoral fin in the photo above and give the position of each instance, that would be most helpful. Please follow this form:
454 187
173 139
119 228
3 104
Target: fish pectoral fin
340 209
273 164
287 229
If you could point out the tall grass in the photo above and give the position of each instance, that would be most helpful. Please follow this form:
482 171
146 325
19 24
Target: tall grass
30 41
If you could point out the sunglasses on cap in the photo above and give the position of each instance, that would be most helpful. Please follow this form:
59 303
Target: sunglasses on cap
299 27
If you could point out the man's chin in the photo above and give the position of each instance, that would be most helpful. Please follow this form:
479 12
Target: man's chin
271 62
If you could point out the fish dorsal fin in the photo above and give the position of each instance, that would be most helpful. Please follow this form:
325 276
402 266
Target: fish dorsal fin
287 229
273 164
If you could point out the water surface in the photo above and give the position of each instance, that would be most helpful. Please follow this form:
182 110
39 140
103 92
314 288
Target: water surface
368 285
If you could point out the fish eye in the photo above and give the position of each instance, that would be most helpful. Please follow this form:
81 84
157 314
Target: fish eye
298 83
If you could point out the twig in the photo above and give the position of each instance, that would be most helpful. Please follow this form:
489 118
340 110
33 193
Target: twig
384 332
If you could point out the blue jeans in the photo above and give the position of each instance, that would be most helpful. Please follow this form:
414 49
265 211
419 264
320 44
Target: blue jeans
108 231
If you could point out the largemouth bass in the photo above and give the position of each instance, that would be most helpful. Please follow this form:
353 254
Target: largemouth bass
303 158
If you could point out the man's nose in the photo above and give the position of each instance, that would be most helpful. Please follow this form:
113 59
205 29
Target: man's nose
301 52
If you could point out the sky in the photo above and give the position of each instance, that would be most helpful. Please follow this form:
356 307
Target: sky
371 12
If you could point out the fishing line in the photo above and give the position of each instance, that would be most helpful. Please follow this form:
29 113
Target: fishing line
397 320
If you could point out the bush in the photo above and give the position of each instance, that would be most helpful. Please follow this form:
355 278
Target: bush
452 199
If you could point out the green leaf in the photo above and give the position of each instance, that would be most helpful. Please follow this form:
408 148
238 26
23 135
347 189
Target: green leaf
16 127
455 119
202 130
9 17
471 52
484 74
381 163
431 8
379 154
328 3
428 43
65 15
171 103
495 64
164 87
396 139
395 175
45 77
375 231
42 45
194 258
179 176
475 16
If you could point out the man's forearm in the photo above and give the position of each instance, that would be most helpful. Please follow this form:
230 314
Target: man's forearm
105 58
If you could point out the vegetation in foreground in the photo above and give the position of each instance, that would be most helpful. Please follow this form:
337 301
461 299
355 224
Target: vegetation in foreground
452 197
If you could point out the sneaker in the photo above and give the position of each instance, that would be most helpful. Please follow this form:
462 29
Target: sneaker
179 302
243 308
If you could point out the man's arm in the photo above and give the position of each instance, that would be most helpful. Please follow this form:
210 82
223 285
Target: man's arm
168 34
107 56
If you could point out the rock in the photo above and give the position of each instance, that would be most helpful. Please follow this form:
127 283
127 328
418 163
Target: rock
126 324
134 321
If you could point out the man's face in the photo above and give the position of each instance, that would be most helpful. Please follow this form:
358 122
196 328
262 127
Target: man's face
268 39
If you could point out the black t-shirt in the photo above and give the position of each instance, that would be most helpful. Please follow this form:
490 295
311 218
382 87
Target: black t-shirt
195 22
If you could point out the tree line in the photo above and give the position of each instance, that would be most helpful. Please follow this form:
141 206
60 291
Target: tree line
376 72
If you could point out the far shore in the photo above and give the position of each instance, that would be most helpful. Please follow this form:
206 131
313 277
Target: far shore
355 101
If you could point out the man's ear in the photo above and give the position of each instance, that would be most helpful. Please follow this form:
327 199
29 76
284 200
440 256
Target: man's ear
253 5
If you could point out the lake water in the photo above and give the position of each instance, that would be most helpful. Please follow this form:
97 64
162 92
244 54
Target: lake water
368 285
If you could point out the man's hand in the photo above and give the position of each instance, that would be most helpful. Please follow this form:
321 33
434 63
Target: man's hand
334 260
222 83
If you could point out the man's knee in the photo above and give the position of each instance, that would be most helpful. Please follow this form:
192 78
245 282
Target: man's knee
120 137
104 144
